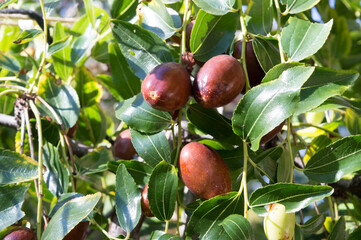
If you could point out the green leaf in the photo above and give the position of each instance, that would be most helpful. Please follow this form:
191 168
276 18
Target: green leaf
297 6
27 36
127 199
162 191
266 51
341 102
142 117
259 19
107 81
123 9
11 200
339 230
266 106
156 18
50 5
100 51
153 148
293 196
168 236
88 89
341 41
353 122
356 234
237 227
124 81
323 84
95 162
92 125
206 219
215 7
69 215
142 49
59 45
6 3
314 224
56 175
61 59
140 171
206 118
64 198
301 39
62 98
16 167
335 161
9 62
285 167
81 45
90 11
212 35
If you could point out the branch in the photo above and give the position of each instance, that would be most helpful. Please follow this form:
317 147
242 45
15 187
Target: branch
79 148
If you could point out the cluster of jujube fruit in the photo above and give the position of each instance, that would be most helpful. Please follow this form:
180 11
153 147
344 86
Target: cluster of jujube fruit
168 87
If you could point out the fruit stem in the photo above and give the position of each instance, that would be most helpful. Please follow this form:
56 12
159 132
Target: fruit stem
40 168
244 39
179 144
244 178
290 146
166 226
186 17
279 14
37 76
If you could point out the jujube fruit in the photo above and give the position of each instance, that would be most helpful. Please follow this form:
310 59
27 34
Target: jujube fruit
145 203
219 81
189 33
266 138
278 224
123 147
79 232
254 70
167 87
203 171
21 233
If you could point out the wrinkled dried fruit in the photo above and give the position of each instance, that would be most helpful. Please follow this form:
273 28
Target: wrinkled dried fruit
279 225
21 233
167 87
219 81
145 203
254 70
203 171
79 232
123 146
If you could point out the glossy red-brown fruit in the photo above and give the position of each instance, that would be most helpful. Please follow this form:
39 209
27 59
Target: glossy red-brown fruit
167 87
79 232
123 147
21 233
254 70
188 33
203 171
219 81
145 203
269 136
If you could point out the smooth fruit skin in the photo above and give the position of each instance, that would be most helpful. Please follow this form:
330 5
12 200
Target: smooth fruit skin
123 147
279 225
145 203
269 136
219 81
79 232
189 33
254 70
203 171
167 87
21 233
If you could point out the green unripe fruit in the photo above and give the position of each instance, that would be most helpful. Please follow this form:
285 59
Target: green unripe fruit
279 225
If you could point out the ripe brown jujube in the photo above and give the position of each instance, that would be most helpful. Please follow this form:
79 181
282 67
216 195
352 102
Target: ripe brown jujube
188 33
123 146
21 233
219 81
145 203
79 232
266 138
254 70
167 87
203 171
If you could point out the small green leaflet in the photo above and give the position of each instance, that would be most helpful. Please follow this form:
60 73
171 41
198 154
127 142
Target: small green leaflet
27 36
